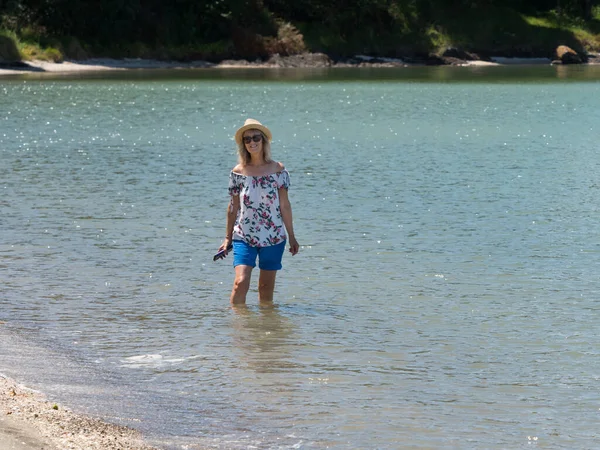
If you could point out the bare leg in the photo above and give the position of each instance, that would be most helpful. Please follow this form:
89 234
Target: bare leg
266 285
241 284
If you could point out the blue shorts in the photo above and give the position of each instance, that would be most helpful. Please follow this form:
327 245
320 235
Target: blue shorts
269 258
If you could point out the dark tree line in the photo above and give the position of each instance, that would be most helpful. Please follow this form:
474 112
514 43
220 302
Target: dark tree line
181 22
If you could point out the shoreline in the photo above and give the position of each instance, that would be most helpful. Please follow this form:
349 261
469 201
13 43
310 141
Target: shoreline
28 421
306 61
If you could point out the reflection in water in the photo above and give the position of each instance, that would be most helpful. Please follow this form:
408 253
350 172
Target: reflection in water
501 74
263 338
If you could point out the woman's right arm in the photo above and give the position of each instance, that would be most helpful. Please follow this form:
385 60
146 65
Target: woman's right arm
232 210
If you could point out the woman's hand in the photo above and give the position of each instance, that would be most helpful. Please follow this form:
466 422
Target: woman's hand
224 246
294 247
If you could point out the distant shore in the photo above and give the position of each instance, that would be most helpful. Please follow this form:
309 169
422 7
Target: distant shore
275 62
30 422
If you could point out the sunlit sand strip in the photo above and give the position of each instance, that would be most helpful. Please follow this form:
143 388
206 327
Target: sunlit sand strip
28 421
98 65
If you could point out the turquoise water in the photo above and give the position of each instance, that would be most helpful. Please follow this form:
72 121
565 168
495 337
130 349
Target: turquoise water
445 291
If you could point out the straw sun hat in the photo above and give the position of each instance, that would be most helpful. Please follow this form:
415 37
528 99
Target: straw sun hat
252 124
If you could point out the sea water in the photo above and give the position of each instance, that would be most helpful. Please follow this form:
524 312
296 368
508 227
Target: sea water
445 294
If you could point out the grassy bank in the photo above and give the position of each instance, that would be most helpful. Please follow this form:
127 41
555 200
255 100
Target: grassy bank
24 46
490 31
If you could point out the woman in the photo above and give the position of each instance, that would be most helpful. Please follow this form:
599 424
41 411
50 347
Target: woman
258 211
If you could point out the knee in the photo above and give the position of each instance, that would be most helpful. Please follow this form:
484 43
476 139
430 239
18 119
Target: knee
241 283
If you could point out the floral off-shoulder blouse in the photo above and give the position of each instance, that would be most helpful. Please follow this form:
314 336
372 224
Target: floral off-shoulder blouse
259 222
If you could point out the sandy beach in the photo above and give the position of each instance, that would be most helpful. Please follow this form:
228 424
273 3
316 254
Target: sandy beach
95 65
107 64
307 60
28 421
275 62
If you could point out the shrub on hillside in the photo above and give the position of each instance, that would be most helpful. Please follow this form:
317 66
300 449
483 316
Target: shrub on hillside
8 48
249 45
289 40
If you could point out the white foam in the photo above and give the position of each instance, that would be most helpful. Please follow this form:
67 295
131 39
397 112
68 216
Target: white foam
155 360
144 358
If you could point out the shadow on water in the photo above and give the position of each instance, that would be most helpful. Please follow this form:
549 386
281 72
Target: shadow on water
415 74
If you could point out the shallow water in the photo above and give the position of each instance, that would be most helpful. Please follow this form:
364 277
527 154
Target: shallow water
445 292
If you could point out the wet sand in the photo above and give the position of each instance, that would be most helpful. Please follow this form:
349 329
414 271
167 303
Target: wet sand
28 421
95 65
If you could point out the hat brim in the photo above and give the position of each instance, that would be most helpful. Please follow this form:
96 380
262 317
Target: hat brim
252 126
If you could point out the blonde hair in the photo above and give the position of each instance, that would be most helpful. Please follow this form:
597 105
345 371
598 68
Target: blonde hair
244 155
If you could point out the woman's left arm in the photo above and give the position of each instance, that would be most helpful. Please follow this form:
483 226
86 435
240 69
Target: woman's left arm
286 215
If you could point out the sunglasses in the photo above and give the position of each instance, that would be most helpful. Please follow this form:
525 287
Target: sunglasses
255 138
